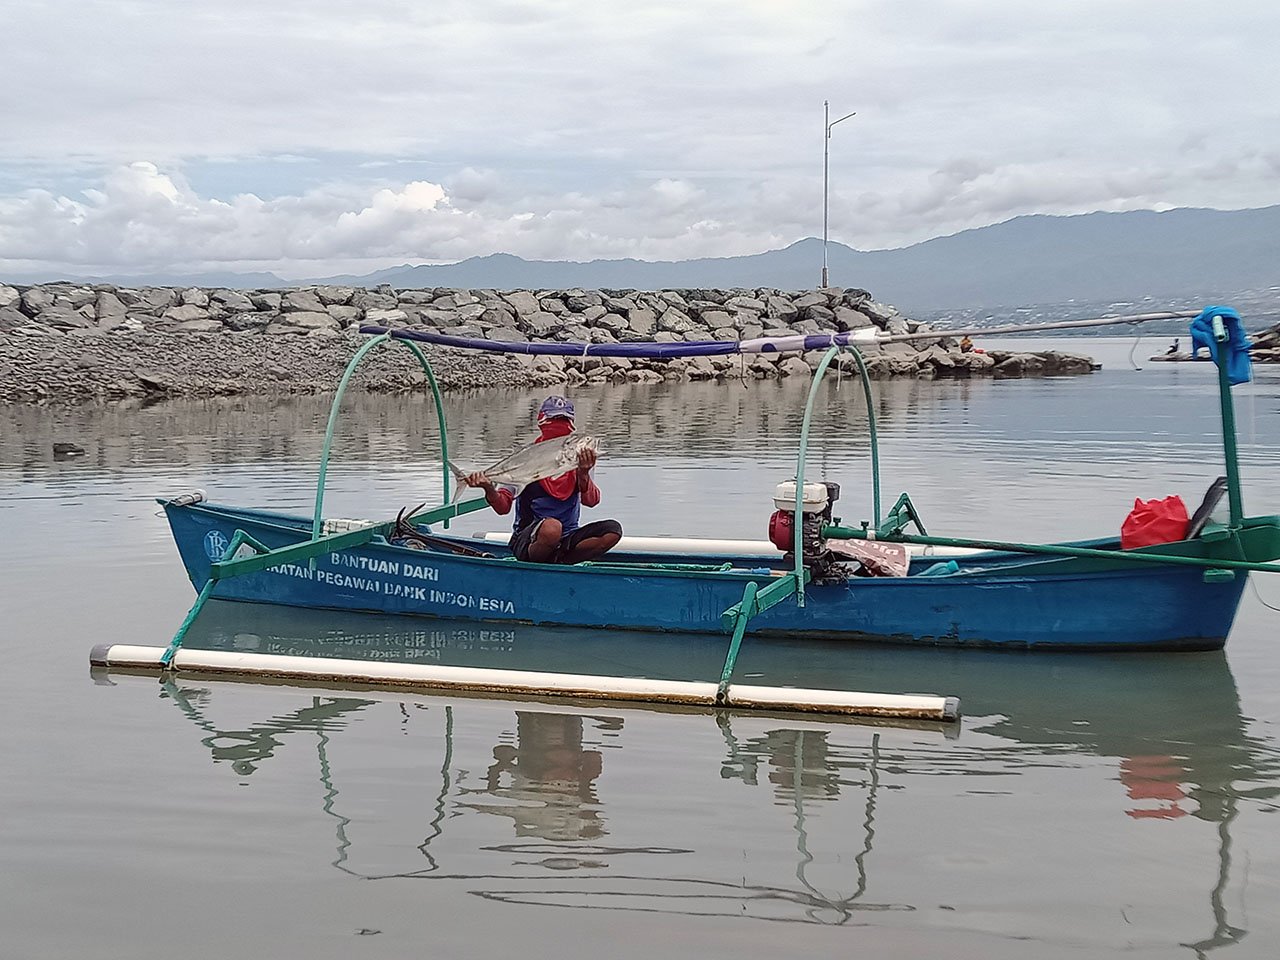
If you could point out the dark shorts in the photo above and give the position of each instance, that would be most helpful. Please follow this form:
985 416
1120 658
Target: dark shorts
521 539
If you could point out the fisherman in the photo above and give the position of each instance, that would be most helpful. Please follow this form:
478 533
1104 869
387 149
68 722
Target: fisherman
546 526
966 345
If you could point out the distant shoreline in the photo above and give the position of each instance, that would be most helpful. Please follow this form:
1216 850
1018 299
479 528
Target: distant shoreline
71 343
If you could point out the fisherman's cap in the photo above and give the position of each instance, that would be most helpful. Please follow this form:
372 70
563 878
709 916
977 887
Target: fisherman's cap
556 406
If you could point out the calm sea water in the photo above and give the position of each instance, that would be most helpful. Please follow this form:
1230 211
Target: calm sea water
1088 805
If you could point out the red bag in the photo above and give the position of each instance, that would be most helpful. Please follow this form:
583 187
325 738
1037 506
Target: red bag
1154 521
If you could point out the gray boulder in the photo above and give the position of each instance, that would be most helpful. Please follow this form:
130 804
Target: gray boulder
156 300
414 297
746 303
366 300
540 325
345 315
523 302
613 322
381 318
35 300
301 301
497 317
185 312
814 299
848 318
780 308
793 367
642 322
619 304
230 301
824 316
109 310
332 296
253 320
63 316
676 322
11 318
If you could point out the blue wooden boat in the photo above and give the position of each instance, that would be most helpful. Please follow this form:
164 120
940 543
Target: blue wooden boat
1081 595
1003 599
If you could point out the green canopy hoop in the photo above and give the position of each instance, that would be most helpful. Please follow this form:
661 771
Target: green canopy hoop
803 452
317 520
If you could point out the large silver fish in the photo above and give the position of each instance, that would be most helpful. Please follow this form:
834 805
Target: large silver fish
537 461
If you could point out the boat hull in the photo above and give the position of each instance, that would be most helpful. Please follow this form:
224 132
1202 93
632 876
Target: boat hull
1059 606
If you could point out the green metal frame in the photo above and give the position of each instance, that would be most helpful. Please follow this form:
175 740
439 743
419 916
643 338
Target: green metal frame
902 514
1230 454
1249 539
265 558
318 516
757 599
803 452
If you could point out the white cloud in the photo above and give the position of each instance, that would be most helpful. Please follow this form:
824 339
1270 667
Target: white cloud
305 133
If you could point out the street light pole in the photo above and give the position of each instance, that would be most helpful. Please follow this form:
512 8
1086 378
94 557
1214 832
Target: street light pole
827 124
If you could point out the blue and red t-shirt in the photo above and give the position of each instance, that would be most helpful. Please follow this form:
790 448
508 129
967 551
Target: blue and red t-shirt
534 504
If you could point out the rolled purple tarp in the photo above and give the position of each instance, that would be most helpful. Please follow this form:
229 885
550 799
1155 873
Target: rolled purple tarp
647 349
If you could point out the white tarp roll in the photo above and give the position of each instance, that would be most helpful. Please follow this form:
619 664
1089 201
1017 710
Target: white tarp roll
699 546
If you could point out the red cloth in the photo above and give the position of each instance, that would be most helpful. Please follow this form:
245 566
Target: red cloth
1154 521
566 485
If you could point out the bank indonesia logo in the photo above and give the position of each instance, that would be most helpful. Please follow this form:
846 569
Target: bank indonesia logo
215 544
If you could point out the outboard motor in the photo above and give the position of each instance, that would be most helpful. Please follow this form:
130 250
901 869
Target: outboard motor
817 499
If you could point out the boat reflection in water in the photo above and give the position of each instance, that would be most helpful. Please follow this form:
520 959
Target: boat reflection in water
1169 728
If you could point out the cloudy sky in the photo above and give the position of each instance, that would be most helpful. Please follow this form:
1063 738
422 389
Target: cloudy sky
310 137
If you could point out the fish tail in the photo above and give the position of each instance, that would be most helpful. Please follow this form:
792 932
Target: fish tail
458 476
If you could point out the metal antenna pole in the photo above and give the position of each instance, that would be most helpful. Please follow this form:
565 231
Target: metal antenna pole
826 150
827 124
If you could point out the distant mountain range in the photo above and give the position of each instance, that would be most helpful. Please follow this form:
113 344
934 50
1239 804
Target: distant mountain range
1098 257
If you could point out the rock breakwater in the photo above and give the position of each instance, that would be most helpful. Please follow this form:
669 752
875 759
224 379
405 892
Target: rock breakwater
72 342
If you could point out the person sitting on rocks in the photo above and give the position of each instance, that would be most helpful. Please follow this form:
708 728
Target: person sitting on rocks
966 345
546 528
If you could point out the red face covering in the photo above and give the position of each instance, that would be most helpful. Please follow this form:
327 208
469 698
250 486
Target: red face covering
563 486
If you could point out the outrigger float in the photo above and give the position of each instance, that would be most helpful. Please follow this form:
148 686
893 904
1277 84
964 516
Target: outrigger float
952 591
